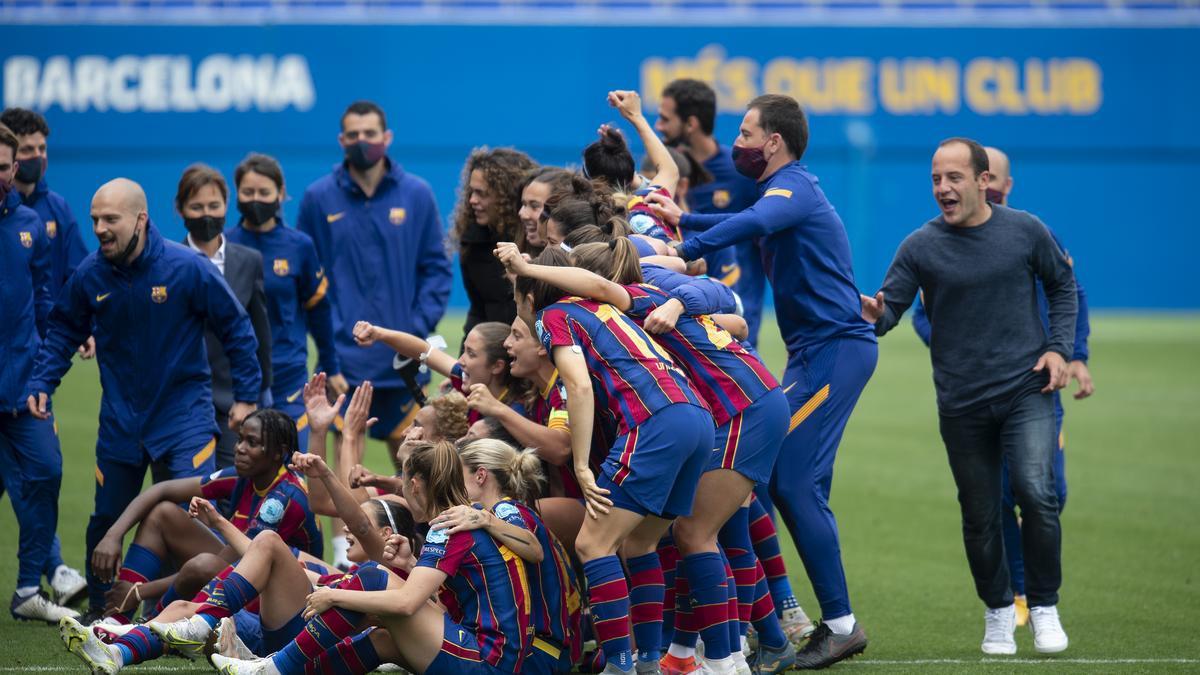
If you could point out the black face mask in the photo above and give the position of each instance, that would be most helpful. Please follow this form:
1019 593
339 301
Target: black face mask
204 228
122 259
363 155
30 171
257 213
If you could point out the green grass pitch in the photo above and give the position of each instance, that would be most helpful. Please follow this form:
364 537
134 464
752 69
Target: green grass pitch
1131 552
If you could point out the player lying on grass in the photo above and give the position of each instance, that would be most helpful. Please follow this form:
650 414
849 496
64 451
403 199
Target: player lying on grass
262 495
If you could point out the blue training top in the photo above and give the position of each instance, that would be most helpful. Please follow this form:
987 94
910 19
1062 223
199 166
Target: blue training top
806 256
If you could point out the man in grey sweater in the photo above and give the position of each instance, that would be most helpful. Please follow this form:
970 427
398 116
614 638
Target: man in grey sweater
994 370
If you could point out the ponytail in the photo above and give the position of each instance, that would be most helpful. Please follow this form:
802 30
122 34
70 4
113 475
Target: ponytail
617 260
439 466
518 472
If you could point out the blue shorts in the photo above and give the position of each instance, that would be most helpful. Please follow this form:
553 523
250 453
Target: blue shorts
544 658
292 405
250 632
395 409
749 443
654 469
275 639
459 653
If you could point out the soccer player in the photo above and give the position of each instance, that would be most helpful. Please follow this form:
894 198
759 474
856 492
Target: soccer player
995 368
687 116
148 301
1000 184
482 367
486 213
201 200
297 288
30 458
649 475
379 238
831 350
484 627
262 493
66 242
506 482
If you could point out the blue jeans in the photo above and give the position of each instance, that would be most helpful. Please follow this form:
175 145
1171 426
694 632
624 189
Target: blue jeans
1019 433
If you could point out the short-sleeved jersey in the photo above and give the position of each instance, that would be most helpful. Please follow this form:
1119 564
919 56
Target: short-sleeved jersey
282 507
296 288
555 611
643 220
486 590
473 416
632 376
728 376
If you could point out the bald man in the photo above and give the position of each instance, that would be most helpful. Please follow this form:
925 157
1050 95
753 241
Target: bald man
148 300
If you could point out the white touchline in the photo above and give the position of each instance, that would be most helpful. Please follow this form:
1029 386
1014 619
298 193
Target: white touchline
1041 661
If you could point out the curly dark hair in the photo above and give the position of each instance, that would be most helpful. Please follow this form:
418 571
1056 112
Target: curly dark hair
504 171
22 122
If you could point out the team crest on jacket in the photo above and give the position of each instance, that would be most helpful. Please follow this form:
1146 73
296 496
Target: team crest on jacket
27 239
720 198
397 216
51 228
158 294
281 267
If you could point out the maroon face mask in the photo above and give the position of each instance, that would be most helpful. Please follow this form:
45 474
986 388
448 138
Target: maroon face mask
364 155
750 162
995 196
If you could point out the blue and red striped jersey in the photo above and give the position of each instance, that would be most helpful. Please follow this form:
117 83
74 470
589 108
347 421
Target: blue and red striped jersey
727 375
556 609
487 590
282 506
632 376
473 416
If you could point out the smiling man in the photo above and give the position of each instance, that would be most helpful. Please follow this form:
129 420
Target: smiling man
994 368
148 301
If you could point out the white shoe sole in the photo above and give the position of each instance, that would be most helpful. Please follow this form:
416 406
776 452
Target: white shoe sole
999 649
1051 649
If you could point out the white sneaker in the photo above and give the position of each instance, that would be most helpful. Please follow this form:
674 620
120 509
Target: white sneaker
38 607
999 625
187 636
740 665
79 640
796 625
68 585
110 633
228 666
1048 634
228 642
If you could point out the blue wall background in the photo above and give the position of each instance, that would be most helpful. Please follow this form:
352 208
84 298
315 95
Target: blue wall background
1099 122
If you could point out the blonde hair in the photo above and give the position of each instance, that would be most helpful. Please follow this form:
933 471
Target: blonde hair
439 466
519 472
617 260
450 411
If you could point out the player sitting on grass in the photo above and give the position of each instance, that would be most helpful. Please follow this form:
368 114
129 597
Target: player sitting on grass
261 492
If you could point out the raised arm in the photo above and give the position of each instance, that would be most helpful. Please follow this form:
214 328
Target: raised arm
405 344
630 106
347 505
572 280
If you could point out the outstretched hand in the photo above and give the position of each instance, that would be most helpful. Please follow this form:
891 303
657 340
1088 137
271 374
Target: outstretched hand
316 404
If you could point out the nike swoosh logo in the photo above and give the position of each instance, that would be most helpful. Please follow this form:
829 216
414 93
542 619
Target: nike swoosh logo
293 397
100 298
726 269
334 217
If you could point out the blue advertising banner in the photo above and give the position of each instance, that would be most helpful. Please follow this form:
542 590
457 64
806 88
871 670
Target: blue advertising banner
1098 121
